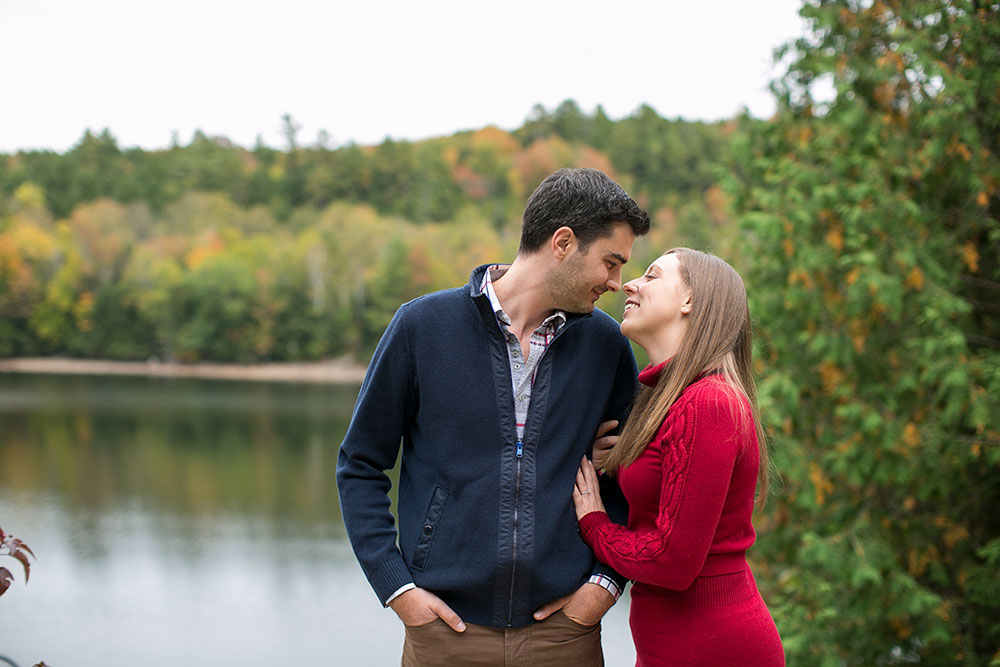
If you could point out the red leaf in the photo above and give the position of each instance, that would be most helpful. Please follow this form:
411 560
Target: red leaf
24 561
21 545
5 579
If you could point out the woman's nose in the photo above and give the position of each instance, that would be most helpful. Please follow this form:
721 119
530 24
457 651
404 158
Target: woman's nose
629 287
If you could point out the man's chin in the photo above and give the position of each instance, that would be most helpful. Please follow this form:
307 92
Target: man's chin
581 308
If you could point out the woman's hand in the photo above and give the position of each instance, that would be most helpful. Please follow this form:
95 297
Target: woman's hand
586 494
602 445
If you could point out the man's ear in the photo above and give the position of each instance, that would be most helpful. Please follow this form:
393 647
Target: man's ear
563 243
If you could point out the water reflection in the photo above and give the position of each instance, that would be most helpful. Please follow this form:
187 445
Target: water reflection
185 522
185 446
178 522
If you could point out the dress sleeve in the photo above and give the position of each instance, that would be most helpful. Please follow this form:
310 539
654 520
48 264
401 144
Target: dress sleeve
700 445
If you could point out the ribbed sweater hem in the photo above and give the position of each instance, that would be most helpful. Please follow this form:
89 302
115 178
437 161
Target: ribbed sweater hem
708 591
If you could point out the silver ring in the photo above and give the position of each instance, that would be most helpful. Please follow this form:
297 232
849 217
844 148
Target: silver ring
583 493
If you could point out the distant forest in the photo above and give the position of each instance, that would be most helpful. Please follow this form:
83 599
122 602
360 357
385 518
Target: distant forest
212 251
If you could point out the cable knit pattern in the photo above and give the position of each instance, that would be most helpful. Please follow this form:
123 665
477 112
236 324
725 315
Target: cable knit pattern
677 490
647 545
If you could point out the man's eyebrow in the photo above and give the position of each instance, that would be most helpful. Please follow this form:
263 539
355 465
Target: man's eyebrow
621 260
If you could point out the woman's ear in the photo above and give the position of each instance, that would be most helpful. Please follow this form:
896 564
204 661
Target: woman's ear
686 306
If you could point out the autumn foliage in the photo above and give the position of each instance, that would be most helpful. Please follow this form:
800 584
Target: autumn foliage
211 251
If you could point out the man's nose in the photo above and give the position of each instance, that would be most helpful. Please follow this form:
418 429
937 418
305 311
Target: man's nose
614 281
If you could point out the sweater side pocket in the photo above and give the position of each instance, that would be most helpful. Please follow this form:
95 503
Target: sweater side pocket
431 518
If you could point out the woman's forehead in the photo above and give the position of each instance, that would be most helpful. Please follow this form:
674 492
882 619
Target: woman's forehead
666 260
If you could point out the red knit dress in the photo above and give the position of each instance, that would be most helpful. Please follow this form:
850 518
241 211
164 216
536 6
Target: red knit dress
690 494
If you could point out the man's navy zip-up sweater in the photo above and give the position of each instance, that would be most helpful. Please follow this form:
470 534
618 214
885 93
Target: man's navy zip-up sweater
483 523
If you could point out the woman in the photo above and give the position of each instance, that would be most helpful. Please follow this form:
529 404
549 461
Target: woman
688 461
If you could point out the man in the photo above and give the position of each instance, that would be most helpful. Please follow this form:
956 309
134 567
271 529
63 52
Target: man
496 391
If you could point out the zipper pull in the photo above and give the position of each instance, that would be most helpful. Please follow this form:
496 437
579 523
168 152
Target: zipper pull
520 449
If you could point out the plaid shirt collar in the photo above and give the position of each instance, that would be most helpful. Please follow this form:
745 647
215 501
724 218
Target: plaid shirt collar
555 321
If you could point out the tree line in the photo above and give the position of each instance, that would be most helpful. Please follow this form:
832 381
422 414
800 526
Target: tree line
421 181
211 251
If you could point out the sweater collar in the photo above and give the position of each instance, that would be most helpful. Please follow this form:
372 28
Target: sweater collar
556 319
650 375
476 280
477 290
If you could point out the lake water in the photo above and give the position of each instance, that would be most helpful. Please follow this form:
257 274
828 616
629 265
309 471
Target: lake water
186 522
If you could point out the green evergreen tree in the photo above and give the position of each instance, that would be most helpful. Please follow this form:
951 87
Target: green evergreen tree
870 215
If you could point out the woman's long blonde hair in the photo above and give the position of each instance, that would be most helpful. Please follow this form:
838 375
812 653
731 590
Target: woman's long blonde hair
717 338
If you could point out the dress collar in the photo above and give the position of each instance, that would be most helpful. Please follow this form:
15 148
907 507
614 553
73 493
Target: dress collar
650 375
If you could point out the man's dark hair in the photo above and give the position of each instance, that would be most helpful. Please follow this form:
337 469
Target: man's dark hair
586 201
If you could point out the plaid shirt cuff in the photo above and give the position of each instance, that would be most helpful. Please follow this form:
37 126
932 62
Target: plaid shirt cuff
606 582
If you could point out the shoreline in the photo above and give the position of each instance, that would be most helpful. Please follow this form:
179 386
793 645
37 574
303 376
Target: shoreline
342 370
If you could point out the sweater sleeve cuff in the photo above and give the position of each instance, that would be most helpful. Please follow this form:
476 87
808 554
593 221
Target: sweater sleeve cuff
590 528
591 523
389 577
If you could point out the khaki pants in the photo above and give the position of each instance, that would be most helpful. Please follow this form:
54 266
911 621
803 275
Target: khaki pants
555 642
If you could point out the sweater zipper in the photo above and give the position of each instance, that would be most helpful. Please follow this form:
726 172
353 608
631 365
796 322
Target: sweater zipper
518 454
513 556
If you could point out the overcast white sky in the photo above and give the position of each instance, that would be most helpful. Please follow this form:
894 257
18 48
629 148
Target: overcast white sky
363 70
